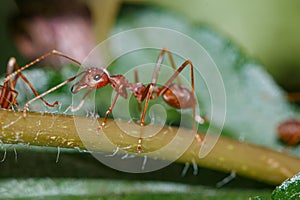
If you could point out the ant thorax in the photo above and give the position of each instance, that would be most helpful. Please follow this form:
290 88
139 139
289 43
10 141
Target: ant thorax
138 90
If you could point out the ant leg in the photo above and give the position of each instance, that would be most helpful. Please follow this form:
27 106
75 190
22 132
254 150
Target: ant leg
53 52
15 65
8 96
169 82
35 92
159 62
10 68
148 91
136 78
49 91
108 112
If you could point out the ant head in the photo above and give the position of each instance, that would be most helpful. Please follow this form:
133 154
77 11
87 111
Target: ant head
93 78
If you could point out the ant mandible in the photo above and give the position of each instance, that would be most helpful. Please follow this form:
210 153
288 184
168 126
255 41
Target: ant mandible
173 94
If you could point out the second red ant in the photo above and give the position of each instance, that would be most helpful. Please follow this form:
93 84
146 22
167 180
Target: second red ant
173 94
8 93
289 132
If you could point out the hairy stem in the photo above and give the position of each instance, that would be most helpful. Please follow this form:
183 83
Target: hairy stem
67 131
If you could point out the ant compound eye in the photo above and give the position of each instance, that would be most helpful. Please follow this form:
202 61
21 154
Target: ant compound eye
97 77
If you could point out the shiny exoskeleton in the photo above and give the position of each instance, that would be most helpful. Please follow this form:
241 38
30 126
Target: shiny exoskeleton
289 132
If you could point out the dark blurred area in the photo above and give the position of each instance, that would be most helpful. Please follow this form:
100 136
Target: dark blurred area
92 169
40 26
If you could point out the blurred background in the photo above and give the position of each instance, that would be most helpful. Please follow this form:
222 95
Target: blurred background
267 31
243 36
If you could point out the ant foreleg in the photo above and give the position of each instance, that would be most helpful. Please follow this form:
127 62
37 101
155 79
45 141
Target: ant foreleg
53 52
49 91
108 112
35 92
15 65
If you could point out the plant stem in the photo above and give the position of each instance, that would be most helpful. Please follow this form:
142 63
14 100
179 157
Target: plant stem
66 131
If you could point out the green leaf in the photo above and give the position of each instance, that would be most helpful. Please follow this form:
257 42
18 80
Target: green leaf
289 189
68 188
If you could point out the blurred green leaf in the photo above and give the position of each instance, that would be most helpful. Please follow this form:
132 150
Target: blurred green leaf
49 188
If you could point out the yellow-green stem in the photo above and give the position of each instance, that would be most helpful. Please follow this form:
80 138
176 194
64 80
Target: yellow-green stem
65 131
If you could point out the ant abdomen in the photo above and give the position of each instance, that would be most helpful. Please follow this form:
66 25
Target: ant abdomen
289 132
179 97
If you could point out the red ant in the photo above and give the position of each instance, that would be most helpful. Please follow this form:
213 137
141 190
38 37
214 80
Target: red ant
173 94
289 132
8 94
